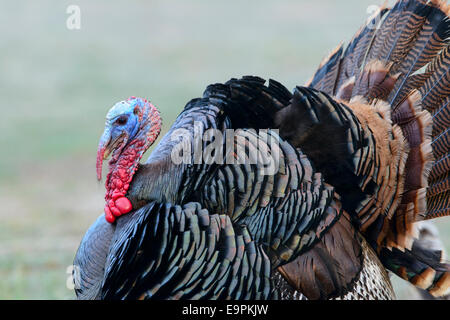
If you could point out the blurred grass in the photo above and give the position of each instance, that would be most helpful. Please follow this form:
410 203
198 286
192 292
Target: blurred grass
56 86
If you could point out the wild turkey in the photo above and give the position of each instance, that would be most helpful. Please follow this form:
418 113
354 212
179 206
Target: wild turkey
363 155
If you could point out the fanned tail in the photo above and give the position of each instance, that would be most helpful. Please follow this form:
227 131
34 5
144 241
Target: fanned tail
402 56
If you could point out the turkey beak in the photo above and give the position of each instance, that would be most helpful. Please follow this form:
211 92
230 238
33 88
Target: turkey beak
103 151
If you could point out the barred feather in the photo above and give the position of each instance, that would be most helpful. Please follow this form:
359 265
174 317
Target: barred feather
407 64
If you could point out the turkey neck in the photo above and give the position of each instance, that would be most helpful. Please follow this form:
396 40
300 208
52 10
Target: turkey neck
157 180
122 170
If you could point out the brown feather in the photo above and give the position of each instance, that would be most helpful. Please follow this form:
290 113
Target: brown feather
329 268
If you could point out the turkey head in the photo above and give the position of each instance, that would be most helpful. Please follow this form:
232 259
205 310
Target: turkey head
131 127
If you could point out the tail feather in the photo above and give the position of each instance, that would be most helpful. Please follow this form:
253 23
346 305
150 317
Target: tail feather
441 118
355 54
437 87
430 40
375 81
405 61
439 205
325 78
345 62
391 31
420 266
424 265
440 144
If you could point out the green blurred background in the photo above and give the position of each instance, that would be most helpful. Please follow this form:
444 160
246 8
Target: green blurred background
56 86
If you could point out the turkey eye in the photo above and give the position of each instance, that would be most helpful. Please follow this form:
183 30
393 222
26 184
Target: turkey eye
121 121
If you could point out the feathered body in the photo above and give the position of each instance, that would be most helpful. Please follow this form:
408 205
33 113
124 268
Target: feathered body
362 156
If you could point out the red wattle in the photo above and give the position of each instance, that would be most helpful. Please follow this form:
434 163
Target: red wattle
124 205
117 182
108 215
115 211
